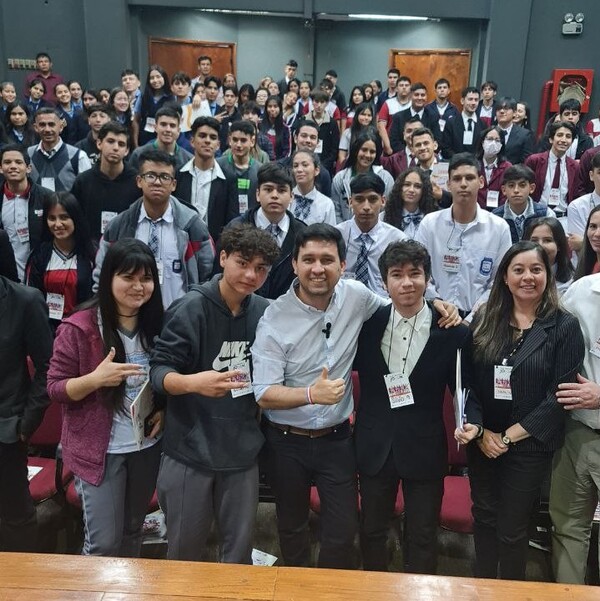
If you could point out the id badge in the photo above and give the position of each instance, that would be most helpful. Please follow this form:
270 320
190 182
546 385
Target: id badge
23 233
56 305
595 350
399 390
502 389
491 199
48 182
105 218
243 202
554 197
244 367
150 125
161 272
451 262
468 138
319 148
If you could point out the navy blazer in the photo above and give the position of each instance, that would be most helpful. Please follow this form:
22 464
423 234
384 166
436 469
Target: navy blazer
415 434
520 144
397 128
452 137
223 205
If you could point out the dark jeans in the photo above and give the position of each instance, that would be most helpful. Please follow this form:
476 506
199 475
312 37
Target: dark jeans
422 502
504 493
294 463
18 523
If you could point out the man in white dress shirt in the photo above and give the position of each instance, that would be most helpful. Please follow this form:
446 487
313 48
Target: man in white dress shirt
366 236
302 358
466 243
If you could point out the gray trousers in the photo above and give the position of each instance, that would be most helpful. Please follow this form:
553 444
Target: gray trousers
574 496
114 511
192 498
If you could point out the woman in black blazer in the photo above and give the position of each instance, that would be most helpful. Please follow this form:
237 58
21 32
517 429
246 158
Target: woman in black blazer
523 347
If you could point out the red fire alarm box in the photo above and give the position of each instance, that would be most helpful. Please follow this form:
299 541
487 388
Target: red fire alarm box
571 83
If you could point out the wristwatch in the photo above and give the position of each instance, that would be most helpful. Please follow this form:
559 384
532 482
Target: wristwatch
505 439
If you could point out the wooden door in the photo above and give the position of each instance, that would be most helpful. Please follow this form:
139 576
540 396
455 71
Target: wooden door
182 55
427 66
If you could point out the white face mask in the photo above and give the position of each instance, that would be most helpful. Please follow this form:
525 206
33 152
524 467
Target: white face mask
491 148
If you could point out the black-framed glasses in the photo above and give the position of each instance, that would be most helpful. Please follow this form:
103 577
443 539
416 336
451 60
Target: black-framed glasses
151 177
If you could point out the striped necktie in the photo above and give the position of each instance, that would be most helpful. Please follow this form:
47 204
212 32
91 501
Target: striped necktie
361 271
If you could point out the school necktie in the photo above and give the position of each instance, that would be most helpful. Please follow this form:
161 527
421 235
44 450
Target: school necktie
153 242
361 271
470 122
519 223
274 230
302 206
556 178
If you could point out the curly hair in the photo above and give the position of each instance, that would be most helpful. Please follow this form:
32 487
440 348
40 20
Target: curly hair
250 242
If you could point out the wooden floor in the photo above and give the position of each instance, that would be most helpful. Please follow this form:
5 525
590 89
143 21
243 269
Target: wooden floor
36 577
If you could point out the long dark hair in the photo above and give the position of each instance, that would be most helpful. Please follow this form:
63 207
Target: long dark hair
278 124
356 128
83 242
395 201
148 95
493 330
587 256
368 135
29 136
127 113
247 87
564 267
351 105
127 255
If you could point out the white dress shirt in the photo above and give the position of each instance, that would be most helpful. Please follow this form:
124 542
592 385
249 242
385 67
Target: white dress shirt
201 183
582 300
173 284
381 235
564 182
263 223
579 211
291 349
481 246
321 208
404 339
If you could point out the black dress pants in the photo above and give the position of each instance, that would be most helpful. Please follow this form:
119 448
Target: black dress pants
296 461
18 523
422 503
504 493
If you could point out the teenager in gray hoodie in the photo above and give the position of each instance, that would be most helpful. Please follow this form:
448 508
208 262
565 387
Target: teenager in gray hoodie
212 436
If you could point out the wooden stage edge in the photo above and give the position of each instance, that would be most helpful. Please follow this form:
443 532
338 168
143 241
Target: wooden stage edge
37 577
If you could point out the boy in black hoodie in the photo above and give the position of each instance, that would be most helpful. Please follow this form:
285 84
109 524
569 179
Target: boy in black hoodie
212 437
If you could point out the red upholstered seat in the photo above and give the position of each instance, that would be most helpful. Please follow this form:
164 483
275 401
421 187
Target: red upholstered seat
455 514
43 485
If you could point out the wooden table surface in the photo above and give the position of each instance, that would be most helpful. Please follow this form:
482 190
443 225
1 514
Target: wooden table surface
37 577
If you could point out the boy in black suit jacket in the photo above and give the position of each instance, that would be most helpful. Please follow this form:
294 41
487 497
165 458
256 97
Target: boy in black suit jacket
404 360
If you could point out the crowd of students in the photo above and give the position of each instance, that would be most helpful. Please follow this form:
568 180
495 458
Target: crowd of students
228 256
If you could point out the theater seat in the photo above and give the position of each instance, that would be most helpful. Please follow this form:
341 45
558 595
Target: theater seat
53 477
455 514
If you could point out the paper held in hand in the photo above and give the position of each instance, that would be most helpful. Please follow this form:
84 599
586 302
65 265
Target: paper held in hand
439 175
460 396
140 409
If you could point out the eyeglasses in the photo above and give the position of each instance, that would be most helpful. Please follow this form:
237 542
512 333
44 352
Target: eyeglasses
151 177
